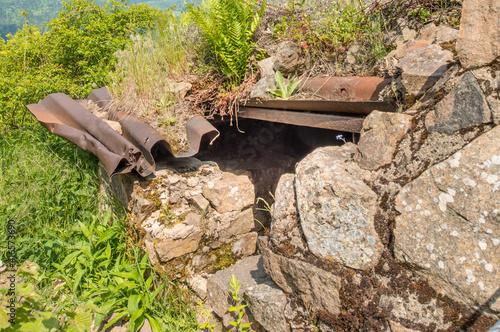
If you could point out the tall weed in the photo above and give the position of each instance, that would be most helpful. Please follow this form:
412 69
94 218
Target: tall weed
151 63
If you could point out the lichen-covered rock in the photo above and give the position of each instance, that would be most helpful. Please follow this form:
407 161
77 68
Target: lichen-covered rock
317 288
450 222
379 138
478 43
288 59
267 303
336 208
422 66
231 193
464 107
249 271
285 224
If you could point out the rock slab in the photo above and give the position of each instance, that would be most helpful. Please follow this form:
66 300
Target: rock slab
285 223
336 208
422 66
379 138
231 193
450 222
317 288
478 43
249 271
464 107
267 303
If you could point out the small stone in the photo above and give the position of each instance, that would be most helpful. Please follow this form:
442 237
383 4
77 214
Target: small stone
146 327
198 284
193 219
142 207
200 202
245 245
289 59
438 34
177 241
115 125
243 224
179 90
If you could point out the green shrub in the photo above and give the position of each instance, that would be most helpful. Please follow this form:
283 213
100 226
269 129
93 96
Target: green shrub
229 26
328 28
73 57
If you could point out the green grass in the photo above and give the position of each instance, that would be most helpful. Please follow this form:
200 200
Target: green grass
49 187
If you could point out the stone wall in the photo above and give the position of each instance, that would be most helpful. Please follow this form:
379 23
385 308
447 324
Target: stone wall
402 231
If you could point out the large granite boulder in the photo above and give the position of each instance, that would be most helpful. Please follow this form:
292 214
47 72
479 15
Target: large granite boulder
450 223
336 208
478 43
464 107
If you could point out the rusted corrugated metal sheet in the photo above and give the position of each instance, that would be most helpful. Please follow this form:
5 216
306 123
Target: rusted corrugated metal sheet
140 147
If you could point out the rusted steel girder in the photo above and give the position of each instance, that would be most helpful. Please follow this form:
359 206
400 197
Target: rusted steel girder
326 121
325 106
351 88
141 146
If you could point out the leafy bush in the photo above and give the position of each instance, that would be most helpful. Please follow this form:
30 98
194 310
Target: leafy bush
73 57
330 27
229 26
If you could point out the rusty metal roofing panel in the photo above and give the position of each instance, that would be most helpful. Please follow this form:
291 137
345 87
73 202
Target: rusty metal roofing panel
326 121
325 106
140 147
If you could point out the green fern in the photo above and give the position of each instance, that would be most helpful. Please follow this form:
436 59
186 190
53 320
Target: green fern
229 26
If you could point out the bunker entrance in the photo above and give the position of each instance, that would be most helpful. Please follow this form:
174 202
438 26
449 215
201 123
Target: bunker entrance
265 151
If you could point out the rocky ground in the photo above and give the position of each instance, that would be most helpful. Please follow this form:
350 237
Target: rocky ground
399 232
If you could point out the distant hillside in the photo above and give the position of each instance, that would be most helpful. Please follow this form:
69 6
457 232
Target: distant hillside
41 11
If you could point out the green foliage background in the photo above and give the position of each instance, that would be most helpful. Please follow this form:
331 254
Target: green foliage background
42 11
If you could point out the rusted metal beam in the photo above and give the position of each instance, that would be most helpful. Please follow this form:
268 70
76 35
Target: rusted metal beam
326 121
325 106
351 88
